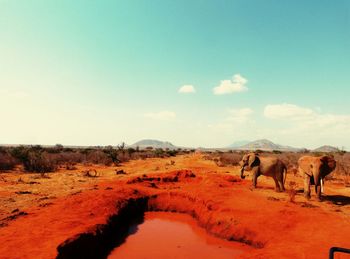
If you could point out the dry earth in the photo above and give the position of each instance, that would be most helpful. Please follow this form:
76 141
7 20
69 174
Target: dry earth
38 215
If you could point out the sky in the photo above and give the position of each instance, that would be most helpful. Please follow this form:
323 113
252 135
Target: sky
195 73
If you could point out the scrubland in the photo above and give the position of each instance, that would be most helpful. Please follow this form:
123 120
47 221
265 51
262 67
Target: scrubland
54 200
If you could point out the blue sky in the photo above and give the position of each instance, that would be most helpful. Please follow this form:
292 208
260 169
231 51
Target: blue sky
102 72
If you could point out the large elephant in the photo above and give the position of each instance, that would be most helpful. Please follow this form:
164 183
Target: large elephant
268 166
315 170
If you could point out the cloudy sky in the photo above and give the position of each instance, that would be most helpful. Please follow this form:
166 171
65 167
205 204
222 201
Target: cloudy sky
196 73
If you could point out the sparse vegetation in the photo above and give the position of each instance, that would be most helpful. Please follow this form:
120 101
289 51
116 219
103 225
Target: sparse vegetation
48 159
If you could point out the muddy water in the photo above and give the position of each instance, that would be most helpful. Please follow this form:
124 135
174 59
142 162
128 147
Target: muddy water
173 235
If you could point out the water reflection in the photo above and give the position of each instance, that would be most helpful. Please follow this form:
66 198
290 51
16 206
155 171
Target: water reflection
173 235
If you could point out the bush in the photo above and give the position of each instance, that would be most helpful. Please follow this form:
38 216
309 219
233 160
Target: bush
7 162
35 159
159 152
39 162
112 153
172 152
99 157
342 171
229 159
290 159
131 150
70 157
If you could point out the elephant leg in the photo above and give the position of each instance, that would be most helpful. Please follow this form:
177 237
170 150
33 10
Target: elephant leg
307 186
317 186
280 182
318 191
282 185
255 176
277 188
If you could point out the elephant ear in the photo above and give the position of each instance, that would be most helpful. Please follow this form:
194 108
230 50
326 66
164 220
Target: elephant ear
328 162
324 159
253 160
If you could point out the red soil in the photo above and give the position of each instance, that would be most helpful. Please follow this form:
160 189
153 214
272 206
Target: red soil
220 202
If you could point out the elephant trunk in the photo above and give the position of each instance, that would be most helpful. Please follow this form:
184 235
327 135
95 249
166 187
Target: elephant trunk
242 172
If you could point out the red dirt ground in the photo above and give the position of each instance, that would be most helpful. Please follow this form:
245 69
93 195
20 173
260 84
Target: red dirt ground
37 217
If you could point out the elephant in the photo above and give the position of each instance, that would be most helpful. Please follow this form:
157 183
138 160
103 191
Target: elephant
268 166
314 170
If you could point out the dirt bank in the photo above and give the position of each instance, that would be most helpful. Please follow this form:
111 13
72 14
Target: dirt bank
216 197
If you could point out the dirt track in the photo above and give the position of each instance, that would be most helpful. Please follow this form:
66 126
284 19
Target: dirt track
37 215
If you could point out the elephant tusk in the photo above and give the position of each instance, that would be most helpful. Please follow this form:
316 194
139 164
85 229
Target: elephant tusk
321 185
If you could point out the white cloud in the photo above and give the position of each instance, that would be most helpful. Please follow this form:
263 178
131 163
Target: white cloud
287 124
287 111
162 115
186 89
304 116
242 115
235 85
308 123
237 124
241 112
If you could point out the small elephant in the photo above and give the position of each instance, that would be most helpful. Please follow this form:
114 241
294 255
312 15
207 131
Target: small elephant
268 166
314 170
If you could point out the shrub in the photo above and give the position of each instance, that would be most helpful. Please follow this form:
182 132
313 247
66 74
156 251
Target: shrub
227 159
39 162
158 152
7 162
20 153
290 159
98 157
112 153
35 159
342 171
131 150
58 148
172 152
70 157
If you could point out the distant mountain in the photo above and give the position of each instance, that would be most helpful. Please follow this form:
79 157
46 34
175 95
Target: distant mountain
154 144
238 143
326 148
266 145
